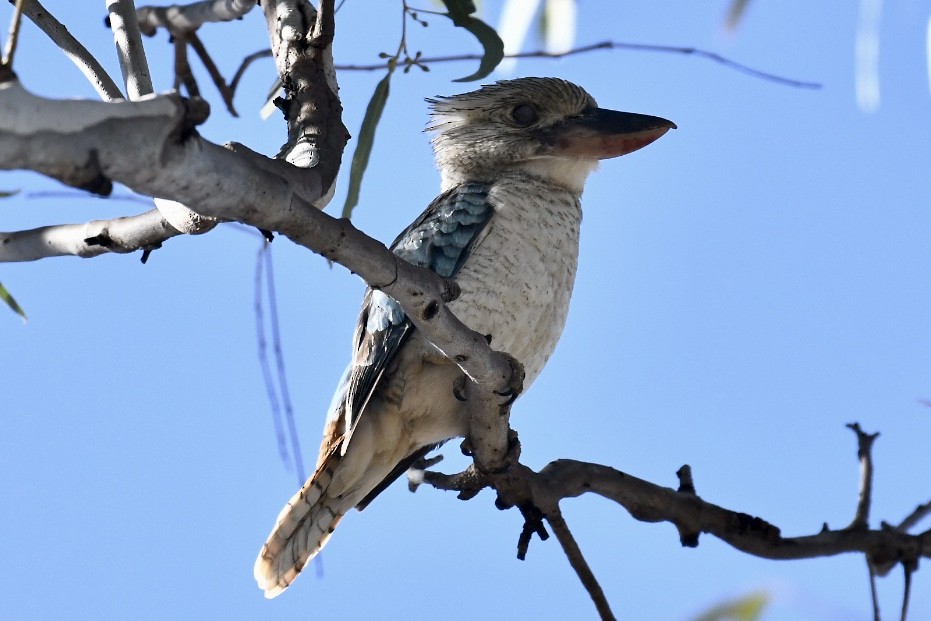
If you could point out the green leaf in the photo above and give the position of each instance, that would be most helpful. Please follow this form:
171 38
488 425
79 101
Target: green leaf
747 608
460 11
6 297
360 158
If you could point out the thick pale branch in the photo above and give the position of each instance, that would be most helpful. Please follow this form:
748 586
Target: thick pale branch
301 41
131 53
187 18
150 146
145 231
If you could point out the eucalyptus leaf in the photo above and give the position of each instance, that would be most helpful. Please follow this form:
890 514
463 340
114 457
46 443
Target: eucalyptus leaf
6 297
360 158
460 12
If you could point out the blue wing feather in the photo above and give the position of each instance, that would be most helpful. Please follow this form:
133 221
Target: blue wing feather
441 239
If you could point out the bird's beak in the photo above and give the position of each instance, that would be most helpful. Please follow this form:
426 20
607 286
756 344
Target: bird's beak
604 134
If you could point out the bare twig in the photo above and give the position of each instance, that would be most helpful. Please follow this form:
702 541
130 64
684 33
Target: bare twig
226 93
907 591
864 453
13 35
182 68
874 595
647 502
264 363
578 562
912 519
72 48
605 45
280 371
248 60
128 234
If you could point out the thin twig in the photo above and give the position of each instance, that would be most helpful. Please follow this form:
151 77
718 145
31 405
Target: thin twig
13 36
907 592
874 596
183 73
578 562
248 60
73 49
226 93
604 45
280 371
259 308
864 453
608 45
920 512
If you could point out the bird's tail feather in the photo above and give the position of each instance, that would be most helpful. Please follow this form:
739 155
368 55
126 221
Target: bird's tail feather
302 529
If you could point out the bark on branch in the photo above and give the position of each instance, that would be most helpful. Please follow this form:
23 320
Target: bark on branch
151 147
691 515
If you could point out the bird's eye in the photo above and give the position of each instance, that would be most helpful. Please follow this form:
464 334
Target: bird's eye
524 115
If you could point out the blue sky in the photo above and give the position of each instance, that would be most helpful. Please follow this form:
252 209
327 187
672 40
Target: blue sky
748 285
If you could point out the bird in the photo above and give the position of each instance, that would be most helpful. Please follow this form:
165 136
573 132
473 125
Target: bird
513 157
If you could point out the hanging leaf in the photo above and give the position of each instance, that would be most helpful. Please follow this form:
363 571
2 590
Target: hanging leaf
460 11
6 297
360 158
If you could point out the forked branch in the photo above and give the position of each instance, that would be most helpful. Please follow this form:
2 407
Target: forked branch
692 516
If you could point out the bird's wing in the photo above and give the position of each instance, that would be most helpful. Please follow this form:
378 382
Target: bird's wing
441 239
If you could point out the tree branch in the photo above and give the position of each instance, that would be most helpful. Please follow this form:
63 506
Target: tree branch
151 147
301 41
9 51
131 53
520 486
604 45
73 49
582 570
183 19
865 455
145 231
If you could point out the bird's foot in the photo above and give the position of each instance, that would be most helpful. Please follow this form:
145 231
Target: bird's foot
516 383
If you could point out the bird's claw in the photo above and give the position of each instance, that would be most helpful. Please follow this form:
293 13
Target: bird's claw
415 474
516 382
466 447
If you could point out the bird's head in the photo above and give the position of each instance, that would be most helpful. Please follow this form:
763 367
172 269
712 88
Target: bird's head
546 127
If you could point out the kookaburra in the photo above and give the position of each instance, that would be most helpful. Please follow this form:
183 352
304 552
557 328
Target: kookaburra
513 157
